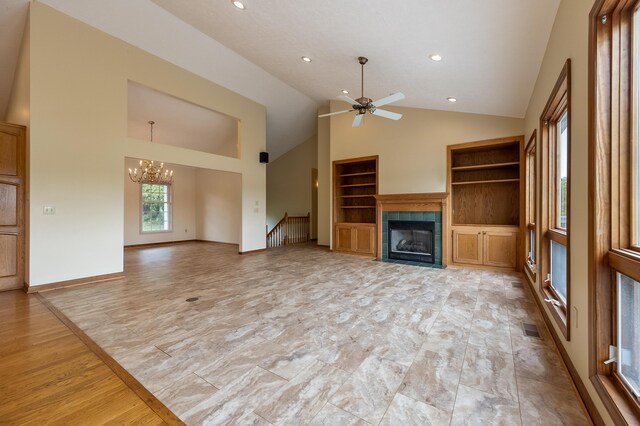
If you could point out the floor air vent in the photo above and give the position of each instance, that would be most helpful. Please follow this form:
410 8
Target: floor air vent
192 299
516 284
530 330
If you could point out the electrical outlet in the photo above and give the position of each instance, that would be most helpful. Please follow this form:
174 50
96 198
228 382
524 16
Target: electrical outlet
185 230
49 210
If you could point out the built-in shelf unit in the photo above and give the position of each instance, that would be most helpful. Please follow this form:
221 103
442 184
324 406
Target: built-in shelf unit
355 186
486 201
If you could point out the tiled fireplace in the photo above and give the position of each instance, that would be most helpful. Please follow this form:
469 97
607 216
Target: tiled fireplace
411 228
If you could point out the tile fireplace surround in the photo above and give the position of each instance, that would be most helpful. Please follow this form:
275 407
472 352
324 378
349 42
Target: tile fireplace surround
413 207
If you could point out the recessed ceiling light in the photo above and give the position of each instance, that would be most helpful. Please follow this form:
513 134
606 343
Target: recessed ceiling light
435 57
306 59
346 92
452 99
238 4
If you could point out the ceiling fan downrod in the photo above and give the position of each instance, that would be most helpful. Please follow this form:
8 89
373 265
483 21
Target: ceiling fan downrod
362 100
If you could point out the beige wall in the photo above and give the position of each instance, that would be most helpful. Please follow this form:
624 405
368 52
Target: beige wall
78 143
218 206
569 39
18 110
183 207
412 151
324 180
289 182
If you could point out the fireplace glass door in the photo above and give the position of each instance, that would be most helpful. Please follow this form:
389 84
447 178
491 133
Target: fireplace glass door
411 240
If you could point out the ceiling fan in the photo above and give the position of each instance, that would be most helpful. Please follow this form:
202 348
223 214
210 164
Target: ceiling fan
364 105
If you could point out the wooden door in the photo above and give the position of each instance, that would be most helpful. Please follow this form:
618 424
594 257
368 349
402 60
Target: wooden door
467 246
12 173
365 239
500 248
344 238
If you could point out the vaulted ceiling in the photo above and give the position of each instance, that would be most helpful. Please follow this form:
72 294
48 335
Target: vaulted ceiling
492 50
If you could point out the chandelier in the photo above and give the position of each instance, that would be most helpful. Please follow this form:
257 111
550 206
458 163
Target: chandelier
150 172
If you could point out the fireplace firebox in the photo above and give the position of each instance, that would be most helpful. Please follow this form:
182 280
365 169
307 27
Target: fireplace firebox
411 240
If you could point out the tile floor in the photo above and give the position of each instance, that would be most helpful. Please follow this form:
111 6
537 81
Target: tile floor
299 335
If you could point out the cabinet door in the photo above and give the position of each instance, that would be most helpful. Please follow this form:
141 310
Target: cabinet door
344 238
365 239
500 248
467 246
12 166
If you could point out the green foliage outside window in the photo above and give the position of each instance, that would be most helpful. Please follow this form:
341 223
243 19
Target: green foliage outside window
155 207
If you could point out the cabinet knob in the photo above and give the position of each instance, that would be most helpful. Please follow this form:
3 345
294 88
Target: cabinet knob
478 233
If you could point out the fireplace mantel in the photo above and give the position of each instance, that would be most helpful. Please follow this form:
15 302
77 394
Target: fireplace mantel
418 202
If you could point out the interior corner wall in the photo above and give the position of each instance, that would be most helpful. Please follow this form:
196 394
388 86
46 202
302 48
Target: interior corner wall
324 180
570 39
218 206
78 142
413 150
289 182
19 112
18 108
183 208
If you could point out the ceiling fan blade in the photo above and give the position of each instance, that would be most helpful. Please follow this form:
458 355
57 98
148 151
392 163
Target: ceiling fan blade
357 120
387 114
348 99
335 113
387 100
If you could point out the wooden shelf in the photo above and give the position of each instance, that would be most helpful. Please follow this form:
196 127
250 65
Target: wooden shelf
359 174
486 166
357 196
476 182
357 184
357 207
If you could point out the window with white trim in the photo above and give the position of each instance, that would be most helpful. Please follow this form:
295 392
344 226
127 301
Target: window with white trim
155 209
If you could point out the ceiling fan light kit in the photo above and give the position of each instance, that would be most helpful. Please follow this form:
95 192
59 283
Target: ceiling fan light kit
363 104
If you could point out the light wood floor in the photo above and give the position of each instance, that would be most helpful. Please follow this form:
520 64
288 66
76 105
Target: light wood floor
49 376
299 335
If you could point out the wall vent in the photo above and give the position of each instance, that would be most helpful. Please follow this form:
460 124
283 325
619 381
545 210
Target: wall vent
516 284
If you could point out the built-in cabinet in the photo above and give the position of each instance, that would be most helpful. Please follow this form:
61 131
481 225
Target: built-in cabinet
355 184
490 246
485 182
356 237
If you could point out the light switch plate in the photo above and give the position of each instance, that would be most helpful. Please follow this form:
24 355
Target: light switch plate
49 210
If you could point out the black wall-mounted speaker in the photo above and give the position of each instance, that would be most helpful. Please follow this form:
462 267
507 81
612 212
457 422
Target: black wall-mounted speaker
264 157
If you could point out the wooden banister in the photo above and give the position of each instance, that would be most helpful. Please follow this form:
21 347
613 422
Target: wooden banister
290 230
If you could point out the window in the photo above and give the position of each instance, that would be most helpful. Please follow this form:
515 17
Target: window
156 207
614 206
555 124
530 208
628 363
561 170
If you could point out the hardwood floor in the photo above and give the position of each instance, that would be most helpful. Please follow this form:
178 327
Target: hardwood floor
299 335
49 376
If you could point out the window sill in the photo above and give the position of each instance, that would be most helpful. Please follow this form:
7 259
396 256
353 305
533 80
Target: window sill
559 313
168 231
622 407
530 272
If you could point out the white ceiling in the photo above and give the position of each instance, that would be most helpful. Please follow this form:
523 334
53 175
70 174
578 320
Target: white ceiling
492 50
